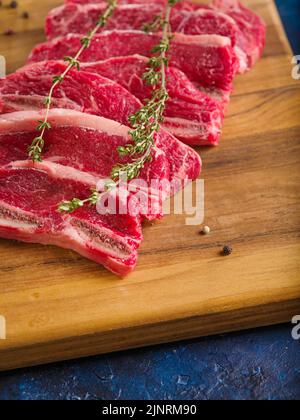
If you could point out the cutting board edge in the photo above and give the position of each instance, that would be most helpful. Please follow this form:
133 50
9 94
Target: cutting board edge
148 335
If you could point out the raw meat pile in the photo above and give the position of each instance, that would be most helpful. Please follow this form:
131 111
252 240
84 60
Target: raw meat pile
90 117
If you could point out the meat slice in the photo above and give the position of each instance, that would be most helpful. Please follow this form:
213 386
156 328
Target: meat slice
247 30
79 18
29 197
208 60
191 115
251 29
81 91
90 93
251 37
89 144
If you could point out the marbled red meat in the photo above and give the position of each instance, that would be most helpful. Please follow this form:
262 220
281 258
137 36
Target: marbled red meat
79 18
89 144
207 60
247 30
29 196
191 115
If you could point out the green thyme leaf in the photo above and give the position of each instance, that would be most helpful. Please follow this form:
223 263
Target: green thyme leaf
36 148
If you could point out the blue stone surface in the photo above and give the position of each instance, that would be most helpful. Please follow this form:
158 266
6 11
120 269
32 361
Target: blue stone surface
258 364
290 14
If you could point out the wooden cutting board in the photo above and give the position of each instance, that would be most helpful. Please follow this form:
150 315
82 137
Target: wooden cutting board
59 306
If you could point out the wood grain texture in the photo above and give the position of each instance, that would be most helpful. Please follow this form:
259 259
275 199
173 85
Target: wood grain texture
60 306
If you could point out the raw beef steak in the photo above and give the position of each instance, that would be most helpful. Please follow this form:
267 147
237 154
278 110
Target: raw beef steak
85 92
191 115
89 144
251 29
251 37
29 197
251 34
208 60
76 18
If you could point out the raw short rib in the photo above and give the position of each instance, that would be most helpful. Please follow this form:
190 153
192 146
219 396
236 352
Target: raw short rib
79 18
251 37
191 115
245 28
89 144
85 92
207 60
28 212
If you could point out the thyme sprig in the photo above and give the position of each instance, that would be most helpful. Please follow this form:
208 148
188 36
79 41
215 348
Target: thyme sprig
36 148
154 25
145 123
70 206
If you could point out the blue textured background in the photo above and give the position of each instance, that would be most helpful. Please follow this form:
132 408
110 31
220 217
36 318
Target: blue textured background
260 364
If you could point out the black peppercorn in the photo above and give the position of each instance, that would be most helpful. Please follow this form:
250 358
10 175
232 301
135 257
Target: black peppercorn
13 4
25 15
227 250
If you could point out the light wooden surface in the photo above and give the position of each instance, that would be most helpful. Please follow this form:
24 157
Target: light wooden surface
60 306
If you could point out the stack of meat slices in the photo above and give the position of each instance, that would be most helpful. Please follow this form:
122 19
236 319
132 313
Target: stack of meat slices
90 114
